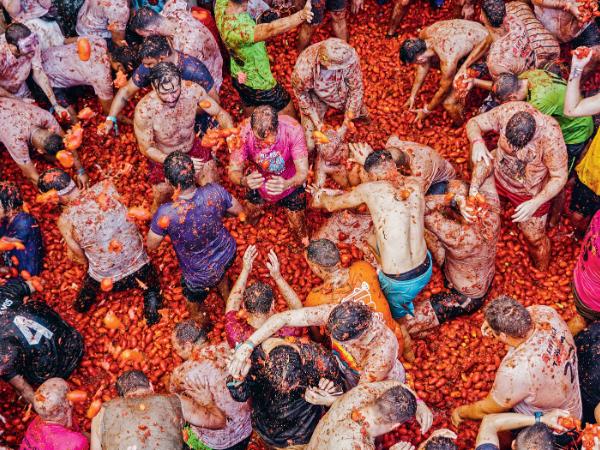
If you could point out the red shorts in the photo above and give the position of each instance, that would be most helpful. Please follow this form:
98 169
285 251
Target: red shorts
156 174
516 200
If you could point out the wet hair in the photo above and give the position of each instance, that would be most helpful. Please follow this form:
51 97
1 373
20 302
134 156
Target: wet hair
130 381
411 49
54 178
520 129
258 298
441 443
143 18
505 85
50 398
179 170
284 369
323 252
264 120
506 315
127 56
10 196
535 437
15 32
189 331
495 11
155 47
396 405
349 320
164 71
54 144
376 158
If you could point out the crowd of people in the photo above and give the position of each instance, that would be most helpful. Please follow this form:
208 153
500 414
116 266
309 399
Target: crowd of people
329 371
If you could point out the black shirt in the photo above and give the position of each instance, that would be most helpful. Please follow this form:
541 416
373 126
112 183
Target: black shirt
588 360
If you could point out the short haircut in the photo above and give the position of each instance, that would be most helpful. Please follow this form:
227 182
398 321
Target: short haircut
376 158
396 405
189 331
441 443
54 144
323 252
131 381
285 370
505 85
10 196
520 129
164 71
258 298
264 120
535 437
15 32
54 178
506 315
495 11
127 56
349 320
411 49
154 47
143 18
179 170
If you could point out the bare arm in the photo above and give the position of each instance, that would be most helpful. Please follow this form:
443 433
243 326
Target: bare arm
122 97
575 106
12 7
492 424
215 110
481 172
299 178
118 37
478 51
448 72
558 174
420 74
288 293
204 416
75 252
5 93
478 410
30 171
41 79
331 203
236 207
22 387
237 291
153 240
266 31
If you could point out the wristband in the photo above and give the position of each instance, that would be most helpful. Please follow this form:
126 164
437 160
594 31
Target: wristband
250 344
52 109
113 119
81 171
538 416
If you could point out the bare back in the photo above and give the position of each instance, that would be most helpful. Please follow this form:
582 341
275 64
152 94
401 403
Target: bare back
454 39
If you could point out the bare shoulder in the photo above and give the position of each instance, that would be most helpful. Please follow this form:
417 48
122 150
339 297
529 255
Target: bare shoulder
145 106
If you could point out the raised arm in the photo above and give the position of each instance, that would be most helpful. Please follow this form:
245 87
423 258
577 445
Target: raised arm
234 301
288 293
266 31
575 106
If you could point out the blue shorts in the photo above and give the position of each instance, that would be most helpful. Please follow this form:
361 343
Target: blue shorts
401 293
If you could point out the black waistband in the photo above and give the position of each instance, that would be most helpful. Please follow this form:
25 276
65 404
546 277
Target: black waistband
413 273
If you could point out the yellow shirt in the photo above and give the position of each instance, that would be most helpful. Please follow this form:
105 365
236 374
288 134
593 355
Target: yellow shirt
588 169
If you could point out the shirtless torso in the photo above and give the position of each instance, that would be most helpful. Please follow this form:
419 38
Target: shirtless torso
452 40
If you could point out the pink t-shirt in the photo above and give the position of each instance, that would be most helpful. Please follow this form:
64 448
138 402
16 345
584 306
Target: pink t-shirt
50 436
98 17
19 119
541 374
29 9
65 69
238 330
274 160
15 70
586 276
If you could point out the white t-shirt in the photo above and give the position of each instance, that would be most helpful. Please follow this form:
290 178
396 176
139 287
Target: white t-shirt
541 374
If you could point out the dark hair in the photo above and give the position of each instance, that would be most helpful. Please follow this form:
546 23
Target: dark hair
495 11
142 18
376 158
396 405
323 252
53 144
258 298
264 119
520 129
535 437
127 56
163 70
15 32
179 170
130 381
411 49
54 178
506 315
155 47
10 196
505 85
284 369
349 320
189 331
441 443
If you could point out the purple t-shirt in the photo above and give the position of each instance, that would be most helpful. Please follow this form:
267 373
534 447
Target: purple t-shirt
203 245
50 436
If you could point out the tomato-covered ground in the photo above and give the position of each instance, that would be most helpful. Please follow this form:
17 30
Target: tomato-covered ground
455 364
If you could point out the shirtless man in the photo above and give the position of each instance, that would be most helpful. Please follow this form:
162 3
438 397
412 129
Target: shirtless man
562 18
361 415
29 126
529 165
39 16
396 204
164 123
104 19
446 42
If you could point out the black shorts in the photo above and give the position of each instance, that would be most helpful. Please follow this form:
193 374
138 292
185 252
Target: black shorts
320 7
574 152
584 200
276 97
439 188
589 37
295 201
199 294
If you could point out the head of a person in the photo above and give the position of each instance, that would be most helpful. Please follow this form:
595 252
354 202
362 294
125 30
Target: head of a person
393 144
186 336
179 171
334 53
414 51
166 81
145 21
535 437
240 3
58 180
10 198
47 142
154 49
21 41
394 407
507 87
284 369
50 401
323 257
493 12
520 129
440 443
133 382
258 298
264 122
507 319
349 320
124 59
380 165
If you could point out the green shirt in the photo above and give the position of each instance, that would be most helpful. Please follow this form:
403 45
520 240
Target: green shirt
547 94
247 56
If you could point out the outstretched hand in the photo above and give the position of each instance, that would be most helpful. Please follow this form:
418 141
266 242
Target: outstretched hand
249 257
